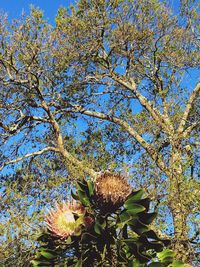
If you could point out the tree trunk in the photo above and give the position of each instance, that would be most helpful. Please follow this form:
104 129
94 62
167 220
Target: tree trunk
180 242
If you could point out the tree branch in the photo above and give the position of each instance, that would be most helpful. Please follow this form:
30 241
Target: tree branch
33 154
156 115
130 85
150 149
190 128
59 139
60 148
188 108
20 123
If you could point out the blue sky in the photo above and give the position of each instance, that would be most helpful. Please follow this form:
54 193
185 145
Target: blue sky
15 7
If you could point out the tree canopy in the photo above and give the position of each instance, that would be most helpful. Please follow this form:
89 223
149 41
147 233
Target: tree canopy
112 85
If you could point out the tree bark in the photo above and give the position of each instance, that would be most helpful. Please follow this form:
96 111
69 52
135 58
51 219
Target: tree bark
180 242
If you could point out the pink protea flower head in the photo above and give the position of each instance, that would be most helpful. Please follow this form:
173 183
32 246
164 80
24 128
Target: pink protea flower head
61 221
111 190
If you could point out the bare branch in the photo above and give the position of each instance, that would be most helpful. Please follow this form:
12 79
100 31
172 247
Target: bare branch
3 126
156 115
189 129
21 122
188 108
196 144
33 154
130 84
149 148
59 139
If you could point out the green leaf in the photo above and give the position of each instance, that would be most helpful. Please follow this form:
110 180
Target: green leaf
151 234
138 227
147 218
124 217
103 254
36 263
90 187
81 194
156 264
83 198
166 255
134 264
48 254
97 227
135 195
135 200
68 240
130 241
134 208
74 196
82 186
145 202
177 264
133 217
151 244
85 201
79 263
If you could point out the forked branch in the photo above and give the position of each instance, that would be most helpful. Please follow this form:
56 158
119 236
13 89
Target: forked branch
149 148
188 108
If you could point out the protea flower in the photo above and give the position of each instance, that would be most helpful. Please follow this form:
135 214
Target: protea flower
111 190
66 219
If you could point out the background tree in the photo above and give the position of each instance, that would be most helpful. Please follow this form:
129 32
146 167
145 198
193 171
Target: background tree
113 84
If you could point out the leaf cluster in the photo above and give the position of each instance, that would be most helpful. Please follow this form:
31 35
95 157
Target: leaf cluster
119 238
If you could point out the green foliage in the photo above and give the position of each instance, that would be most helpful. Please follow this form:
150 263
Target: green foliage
120 238
136 61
